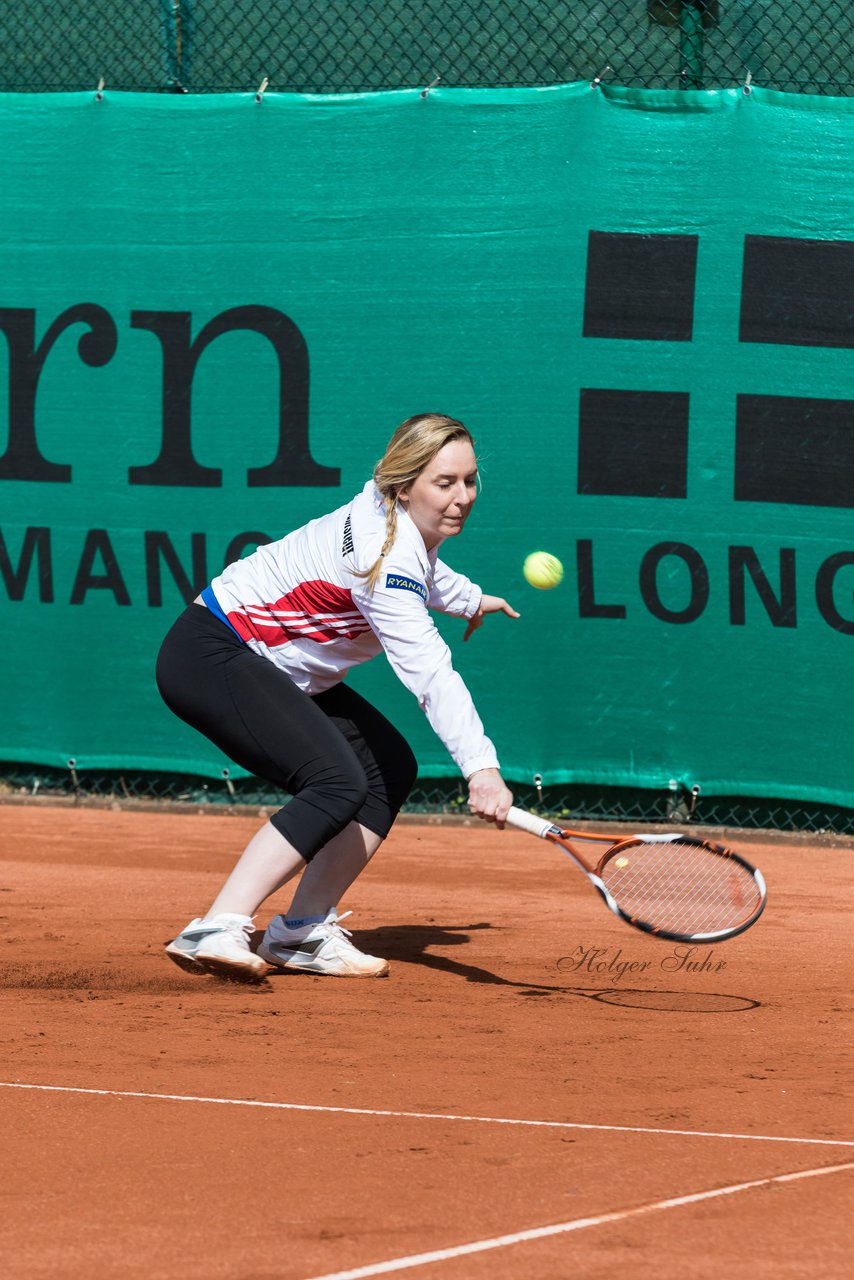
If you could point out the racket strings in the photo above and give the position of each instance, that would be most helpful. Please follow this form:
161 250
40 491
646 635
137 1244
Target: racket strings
681 887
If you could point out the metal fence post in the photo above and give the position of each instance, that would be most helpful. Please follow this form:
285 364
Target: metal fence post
691 47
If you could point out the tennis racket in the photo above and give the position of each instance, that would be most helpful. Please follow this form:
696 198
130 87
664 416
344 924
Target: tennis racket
671 885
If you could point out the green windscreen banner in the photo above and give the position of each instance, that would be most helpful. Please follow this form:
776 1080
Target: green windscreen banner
215 310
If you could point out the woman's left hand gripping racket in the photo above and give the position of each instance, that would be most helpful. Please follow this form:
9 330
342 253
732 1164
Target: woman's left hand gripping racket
670 885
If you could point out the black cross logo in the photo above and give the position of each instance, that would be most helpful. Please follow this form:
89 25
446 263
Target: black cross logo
788 449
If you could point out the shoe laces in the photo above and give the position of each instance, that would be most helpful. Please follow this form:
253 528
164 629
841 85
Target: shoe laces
335 925
240 930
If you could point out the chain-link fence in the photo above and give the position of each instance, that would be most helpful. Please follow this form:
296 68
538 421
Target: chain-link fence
22 783
335 46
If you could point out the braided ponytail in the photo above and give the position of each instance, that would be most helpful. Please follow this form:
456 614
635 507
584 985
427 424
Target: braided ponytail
415 443
373 574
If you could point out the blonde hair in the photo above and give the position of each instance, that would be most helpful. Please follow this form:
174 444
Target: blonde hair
414 444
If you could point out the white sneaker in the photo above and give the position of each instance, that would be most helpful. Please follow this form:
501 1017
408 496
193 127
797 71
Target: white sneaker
318 948
220 946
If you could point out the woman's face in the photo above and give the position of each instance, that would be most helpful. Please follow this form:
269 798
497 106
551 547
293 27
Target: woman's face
441 496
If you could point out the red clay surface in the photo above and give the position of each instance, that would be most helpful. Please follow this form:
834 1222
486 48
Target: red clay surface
490 1012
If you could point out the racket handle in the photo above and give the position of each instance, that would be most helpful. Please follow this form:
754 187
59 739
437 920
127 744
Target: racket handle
528 822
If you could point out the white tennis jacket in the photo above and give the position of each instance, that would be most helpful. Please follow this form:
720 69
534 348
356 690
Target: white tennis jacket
298 602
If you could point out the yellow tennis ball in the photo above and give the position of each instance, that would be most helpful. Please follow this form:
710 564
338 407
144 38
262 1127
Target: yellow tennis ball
543 570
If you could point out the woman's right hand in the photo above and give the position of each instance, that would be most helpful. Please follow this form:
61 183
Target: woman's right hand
489 797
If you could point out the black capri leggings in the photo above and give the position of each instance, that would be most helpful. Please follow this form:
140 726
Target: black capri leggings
340 759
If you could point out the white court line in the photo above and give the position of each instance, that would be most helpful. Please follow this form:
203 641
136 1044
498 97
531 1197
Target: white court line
563 1228
426 1115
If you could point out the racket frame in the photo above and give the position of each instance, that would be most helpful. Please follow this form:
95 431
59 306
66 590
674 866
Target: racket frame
563 838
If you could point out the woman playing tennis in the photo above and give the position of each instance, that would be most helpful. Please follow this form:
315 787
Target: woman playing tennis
257 663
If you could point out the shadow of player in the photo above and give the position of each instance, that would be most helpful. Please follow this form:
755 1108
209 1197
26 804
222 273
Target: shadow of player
412 943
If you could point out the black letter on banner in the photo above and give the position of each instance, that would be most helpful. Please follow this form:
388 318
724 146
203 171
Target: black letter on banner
159 544
98 543
587 606
824 582
238 545
22 459
699 582
176 465
36 543
782 612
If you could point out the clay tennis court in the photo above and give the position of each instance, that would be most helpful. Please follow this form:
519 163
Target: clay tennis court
536 1090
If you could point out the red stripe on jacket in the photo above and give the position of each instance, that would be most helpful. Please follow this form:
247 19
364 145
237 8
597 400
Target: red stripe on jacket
312 609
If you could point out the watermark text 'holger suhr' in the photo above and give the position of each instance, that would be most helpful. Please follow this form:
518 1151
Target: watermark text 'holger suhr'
610 961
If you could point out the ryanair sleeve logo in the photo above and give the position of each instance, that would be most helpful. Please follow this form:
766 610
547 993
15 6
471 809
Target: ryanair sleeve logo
397 581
